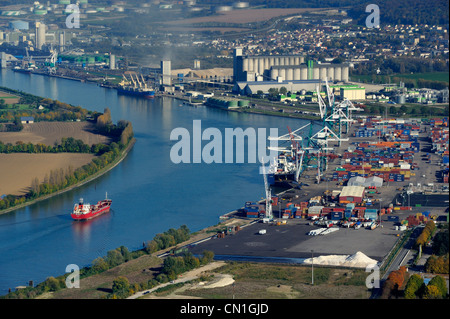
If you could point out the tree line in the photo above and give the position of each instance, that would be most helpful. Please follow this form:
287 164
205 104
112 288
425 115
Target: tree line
400 284
121 286
60 179
53 110
67 145
413 110
172 267
167 239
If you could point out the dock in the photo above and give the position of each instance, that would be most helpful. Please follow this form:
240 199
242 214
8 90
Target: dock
372 225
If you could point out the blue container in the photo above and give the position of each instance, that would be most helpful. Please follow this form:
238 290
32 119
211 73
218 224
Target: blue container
336 215
393 218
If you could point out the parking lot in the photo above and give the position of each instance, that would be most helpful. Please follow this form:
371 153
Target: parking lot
292 240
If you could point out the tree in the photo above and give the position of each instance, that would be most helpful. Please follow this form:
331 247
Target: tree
52 284
413 287
114 258
432 292
208 256
403 109
99 265
393 110
395 280
260 94
440 283
35 186
120 285
437 265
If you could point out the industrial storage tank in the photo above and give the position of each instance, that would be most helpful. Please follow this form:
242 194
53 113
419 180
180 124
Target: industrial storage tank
231 103
316 75
338 73
344 76
323 73
274 73
289 74
243 103
330 73
303 73
297 74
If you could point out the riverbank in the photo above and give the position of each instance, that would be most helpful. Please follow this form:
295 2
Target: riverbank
91 178
270 110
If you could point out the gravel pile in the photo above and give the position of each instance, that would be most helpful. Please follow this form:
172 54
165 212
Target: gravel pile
358 260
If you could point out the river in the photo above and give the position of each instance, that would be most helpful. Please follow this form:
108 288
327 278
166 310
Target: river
150 193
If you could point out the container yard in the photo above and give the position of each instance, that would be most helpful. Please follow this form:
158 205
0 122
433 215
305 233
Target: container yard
333 218
354 193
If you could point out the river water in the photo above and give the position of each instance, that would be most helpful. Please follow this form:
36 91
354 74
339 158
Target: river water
150 193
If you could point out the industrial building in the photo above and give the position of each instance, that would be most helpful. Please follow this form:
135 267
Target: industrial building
19 25
40 35
248 68
372 181
248 88
352 194
353 93
166 71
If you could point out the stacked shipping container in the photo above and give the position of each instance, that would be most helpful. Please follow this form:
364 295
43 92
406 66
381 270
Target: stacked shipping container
439 135
391 160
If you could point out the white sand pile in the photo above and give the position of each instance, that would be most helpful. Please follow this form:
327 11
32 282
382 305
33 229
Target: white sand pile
358 260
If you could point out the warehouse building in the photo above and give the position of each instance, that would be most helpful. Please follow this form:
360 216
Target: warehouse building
353 93
365 182
352 194
248 88
19 25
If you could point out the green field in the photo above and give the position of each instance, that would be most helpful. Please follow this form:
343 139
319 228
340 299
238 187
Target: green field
428 76
433 76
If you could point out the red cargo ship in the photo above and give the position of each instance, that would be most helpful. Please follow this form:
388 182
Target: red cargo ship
83 211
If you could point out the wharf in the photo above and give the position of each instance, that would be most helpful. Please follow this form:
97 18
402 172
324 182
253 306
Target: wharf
289 242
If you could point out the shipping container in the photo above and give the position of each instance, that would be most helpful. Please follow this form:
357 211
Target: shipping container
336 215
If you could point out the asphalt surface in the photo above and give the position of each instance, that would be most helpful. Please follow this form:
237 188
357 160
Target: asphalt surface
291 240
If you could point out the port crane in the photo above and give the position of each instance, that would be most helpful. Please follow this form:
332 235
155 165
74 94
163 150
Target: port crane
50 62
268 192
313 150
134 80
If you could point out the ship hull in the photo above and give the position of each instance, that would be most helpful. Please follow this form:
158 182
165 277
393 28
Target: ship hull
281 180
103 207
144 94
22 71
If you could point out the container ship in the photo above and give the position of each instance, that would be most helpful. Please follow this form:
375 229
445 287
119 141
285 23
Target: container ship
282 171
83 211
135 86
